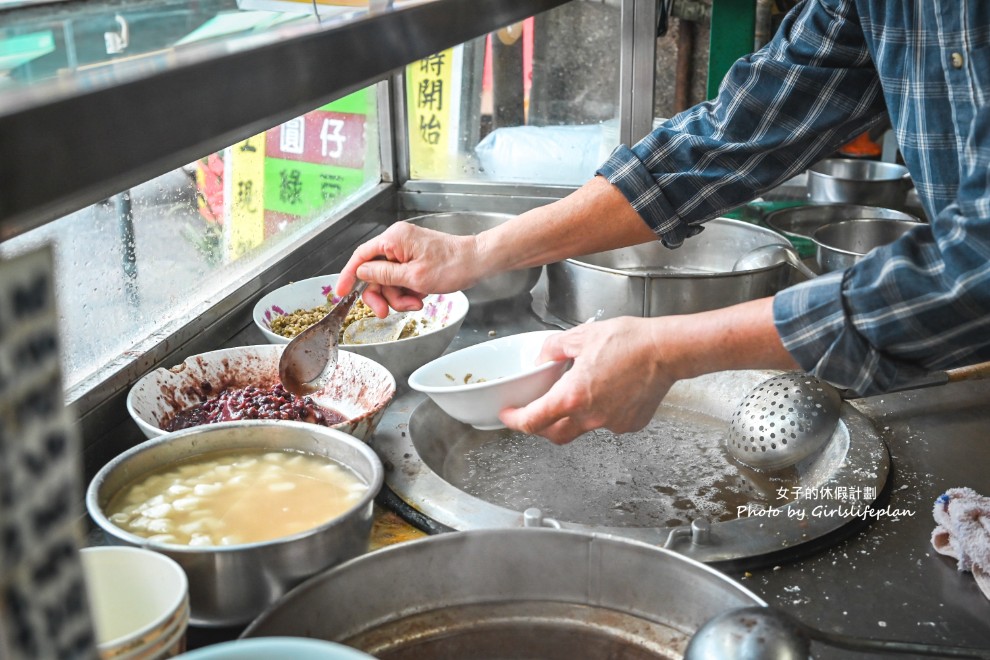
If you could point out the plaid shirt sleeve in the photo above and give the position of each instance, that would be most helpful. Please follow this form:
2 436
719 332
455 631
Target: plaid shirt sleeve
803 95
914 306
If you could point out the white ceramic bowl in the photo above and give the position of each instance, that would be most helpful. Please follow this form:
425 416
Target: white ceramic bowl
360 388
474 384
439 321
269 648
139 600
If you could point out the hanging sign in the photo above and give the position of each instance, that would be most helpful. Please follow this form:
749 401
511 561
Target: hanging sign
43 606
290 172
433 105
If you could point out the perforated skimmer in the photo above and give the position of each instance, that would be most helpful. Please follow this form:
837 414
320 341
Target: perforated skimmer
783 420
790 416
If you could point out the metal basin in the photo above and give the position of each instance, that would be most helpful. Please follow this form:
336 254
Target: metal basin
798 223
839 245
467 223
851 181
526 593
662 485
651 280
230 585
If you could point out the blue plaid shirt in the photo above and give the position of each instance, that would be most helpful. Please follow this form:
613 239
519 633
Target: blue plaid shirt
834 69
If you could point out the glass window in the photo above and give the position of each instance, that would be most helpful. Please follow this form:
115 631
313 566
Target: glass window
535 102
149 259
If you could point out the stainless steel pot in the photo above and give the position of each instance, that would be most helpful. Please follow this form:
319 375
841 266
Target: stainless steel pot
509 594
467 223
651 280
851 181
839 245
230 585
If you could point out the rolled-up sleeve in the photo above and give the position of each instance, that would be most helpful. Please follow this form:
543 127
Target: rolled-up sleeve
778 110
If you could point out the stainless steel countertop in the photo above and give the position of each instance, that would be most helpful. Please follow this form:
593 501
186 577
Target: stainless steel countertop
887 581
882 579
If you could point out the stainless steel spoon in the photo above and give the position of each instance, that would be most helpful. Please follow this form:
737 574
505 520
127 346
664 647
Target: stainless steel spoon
757 633
373 330
311 356
792 415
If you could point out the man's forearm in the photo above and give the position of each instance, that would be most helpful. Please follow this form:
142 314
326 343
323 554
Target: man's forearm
594 218
739 337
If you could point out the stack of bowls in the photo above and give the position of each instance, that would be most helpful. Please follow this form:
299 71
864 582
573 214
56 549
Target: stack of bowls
799 223
139 602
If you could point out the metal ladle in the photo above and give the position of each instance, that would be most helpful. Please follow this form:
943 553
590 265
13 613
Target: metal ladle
790 416
756 633
311 356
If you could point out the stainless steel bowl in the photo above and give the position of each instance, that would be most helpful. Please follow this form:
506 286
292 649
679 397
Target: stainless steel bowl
841 244
851 181
802 221
230 585
504 593
468 223
651 280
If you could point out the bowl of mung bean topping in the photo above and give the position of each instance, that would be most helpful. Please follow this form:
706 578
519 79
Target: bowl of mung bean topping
285 312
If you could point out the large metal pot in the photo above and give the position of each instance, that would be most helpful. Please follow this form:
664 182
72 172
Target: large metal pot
651 280
467 223
839 245
523 593
230 585
851 181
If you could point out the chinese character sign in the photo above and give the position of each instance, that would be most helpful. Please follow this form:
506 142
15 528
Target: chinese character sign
294 170
244 167
433 99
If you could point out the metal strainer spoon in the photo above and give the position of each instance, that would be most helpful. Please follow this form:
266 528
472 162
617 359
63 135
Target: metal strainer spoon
785 419
755 633
790 416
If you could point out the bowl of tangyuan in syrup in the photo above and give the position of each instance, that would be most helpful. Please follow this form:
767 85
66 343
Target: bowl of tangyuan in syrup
248 508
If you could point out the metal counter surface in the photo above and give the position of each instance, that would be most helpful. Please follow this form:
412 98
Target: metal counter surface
882 579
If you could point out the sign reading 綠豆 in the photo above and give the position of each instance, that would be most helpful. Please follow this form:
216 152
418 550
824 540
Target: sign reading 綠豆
43 607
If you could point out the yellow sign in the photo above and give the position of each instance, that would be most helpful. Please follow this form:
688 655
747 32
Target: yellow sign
244 175
433 99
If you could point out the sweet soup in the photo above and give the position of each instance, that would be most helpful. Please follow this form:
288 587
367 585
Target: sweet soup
253 402
235 497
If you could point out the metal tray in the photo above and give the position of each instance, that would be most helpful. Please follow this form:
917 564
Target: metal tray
616 484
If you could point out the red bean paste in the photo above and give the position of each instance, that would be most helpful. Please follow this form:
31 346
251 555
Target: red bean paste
254 402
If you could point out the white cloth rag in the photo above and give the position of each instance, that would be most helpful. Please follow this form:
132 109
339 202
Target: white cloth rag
963 532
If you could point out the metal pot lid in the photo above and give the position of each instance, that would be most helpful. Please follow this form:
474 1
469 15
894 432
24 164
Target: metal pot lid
670 485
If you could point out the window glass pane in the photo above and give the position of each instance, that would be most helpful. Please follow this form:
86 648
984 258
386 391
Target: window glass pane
536 102
149 259
100 42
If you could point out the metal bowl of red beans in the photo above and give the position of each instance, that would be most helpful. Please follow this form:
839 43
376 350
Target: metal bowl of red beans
242 383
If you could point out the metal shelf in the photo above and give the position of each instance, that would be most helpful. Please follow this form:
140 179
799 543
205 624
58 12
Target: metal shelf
72 141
